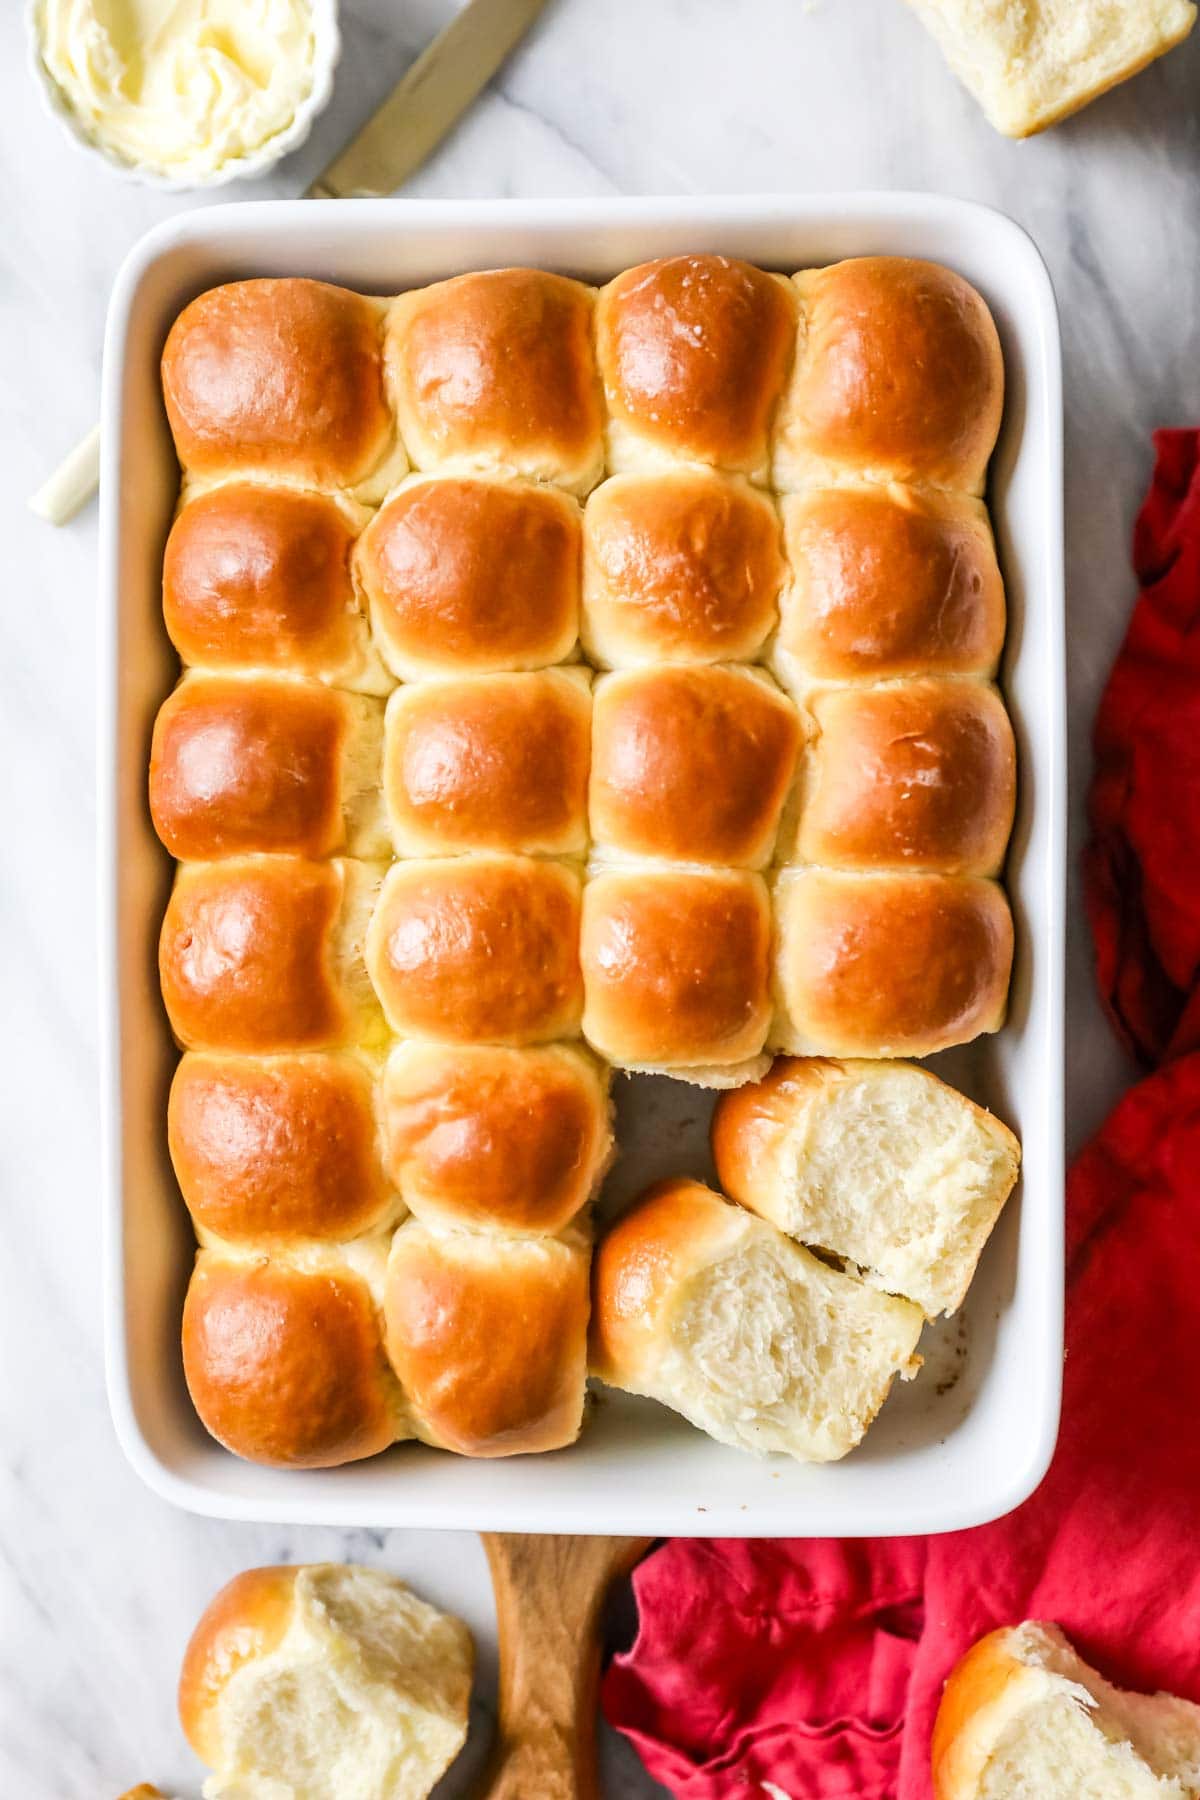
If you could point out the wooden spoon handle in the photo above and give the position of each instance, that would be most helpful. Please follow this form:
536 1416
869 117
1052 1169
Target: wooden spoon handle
549 1596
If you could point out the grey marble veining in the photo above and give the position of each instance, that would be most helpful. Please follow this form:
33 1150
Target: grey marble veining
99 1581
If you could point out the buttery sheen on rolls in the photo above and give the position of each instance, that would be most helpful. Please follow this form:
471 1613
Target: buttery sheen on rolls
467 575
888 965
691 764
409 938
262 953
676 971
682 565
489 762
284 379
694 352
478 949
495 371
479 1135
899 377
239 764
257 577
277 1150
489 1339
284 1356
917 775
887 581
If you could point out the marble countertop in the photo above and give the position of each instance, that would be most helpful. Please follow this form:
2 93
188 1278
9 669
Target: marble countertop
99 1581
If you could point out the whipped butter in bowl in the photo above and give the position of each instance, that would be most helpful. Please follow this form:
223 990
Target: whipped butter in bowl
185 93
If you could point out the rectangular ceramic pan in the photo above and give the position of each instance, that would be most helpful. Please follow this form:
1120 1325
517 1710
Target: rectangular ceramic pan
973 1436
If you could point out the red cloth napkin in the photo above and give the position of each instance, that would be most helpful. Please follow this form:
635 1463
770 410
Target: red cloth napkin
817 1665
1142 868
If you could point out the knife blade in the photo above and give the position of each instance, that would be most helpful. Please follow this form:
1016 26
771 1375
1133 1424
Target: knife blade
428 100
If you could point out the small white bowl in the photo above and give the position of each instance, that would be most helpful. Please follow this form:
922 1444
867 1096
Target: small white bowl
327 46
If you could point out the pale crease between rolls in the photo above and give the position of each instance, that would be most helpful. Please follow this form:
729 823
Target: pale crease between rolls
578 861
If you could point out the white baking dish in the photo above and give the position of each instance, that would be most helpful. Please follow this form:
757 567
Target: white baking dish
973 1436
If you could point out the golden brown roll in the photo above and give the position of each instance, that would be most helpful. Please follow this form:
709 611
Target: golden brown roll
496 371
753 1339
691 764
888 965
885 582
305 1681
284 1359
488 1339
516 1140
478 950
272 1150
466 575
676 972
490 762
249 763
258 577
265 953
911 775
899 376
284 377
679 566
694 352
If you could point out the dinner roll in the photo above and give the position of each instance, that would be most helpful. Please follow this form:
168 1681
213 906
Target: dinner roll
888 965
496 371
284 377
489 1339
283 1355
910 775
887 581
694 352
322 1682
710 1311
1032 65
260 763
490 762
266 953
879 1162
478 1135
684 565
675 971
692 764
478 950
899 377
468 575
271 1150
258 577
1023 1717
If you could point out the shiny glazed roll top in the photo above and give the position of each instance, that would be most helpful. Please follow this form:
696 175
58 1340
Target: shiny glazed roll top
899 376
285 378
694 352
495 371
480 949
467 575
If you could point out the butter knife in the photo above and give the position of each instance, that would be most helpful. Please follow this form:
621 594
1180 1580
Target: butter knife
428 101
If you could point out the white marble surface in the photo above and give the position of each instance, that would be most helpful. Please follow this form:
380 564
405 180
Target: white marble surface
99 1581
